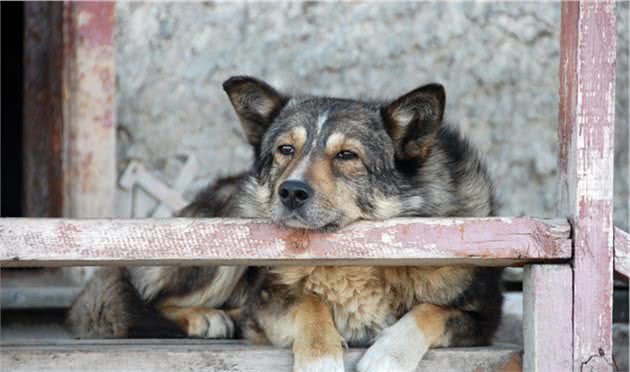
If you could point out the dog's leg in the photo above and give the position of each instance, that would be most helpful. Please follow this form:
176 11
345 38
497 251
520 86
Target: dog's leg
306 324
402 346
198 321
317 344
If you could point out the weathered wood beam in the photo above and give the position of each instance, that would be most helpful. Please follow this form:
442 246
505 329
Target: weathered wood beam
42 147
622 252
69 109
206 355
585 132
480 241
547 318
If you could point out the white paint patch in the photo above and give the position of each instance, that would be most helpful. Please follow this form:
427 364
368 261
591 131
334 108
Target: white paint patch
326 364
386 238
398 348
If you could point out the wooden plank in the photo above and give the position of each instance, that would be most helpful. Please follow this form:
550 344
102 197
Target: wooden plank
585 131
547 318
622 252
46 297
419 241
37 288
205 355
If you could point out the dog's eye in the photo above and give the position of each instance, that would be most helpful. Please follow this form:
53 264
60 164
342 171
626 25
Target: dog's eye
286 149
346 155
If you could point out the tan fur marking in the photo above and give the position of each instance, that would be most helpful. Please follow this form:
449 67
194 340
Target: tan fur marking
235 314
334 141
187 317
296 137
319 176
364 296
200 321
431 320
337 142
315 334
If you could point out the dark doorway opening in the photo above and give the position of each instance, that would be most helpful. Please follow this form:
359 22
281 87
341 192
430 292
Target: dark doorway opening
12 105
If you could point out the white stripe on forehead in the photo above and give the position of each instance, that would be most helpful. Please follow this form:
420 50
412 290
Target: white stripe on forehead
321 119
300 170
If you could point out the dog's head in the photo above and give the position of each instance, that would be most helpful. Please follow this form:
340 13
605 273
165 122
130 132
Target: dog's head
322 163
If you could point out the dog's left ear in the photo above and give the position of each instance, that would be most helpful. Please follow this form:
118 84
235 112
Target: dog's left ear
256 103
413 119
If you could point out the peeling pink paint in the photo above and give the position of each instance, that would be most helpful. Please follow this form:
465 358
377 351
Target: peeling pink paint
406 241
96 22
587 81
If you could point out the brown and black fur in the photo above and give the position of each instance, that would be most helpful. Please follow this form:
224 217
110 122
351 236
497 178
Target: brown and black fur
351 160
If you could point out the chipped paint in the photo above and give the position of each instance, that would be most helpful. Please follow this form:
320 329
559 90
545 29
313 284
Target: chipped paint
89 109
586 133
487 241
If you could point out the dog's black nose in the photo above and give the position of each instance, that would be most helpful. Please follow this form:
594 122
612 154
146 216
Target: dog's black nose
294 193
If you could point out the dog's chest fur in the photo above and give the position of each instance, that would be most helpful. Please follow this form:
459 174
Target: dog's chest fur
365 300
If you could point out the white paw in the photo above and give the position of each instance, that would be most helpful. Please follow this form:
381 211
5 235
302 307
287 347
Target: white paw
398 348
211 324
326 364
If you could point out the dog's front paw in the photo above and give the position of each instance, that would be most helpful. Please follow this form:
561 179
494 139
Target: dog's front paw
323 364
398 348
313 356
210 323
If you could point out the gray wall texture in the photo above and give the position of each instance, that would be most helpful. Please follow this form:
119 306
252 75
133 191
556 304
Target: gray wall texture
499 63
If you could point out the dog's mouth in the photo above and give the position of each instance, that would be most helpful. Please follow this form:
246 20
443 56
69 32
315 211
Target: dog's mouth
295 220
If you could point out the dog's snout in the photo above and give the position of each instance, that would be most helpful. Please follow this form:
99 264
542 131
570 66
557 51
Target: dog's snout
294 194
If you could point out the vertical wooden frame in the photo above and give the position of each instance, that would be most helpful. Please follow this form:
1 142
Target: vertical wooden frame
547 318
89 109
585 132
69 109
43 114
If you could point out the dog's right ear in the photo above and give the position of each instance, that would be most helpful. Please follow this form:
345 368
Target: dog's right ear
256 103
413 120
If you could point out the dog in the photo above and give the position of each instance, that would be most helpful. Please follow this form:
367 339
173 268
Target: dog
322 163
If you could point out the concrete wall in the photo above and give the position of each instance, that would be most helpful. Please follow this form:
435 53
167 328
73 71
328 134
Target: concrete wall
499 63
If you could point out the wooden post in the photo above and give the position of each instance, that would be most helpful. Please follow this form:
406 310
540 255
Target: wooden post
69 110
43 114
585 131
89 109
547 318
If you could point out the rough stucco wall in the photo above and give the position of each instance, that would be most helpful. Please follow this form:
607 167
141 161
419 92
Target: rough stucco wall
499 63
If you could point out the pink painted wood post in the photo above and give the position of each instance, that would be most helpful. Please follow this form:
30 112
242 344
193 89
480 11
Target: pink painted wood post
585 131
89 109
547 318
